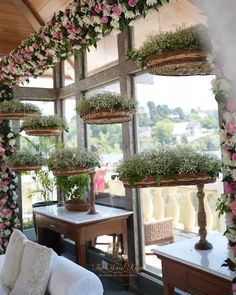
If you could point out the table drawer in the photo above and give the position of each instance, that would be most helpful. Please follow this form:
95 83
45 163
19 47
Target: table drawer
56 225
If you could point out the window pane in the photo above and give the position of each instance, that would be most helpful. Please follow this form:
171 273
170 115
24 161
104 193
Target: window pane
176 110
106 140
43 81
105 55
69 70
70 137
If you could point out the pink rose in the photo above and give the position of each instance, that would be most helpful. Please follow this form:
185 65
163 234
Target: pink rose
116 10
234 157
230 127
231 105
233 207
132 3
228 188
104 20
97 9
234 287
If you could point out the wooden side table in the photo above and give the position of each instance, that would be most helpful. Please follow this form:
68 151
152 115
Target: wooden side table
195 271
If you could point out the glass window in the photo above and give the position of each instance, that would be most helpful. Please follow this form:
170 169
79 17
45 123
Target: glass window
43 81
28 183
70 137
105 55
106 140
176 110
69 70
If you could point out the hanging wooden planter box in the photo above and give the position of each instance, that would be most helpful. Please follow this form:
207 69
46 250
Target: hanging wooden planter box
112 116
179 62
17 115
25 168
181 179
43 131
72 171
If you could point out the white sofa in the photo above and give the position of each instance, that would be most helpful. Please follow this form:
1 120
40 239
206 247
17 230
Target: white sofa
67 278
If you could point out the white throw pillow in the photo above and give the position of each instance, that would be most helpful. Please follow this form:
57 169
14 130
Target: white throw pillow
35 270
13 258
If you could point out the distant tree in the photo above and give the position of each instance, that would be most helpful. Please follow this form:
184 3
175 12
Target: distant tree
209 122
180 113
152 113
143 118
163 132
184 139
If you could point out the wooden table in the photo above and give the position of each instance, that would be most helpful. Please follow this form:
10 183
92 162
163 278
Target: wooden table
198 272
82 227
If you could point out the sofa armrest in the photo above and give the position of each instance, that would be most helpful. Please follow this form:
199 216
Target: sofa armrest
68 278
2 257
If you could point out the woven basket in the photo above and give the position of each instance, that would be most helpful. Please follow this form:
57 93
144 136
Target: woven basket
72 171
17 116
43 131
181 179
179 62
25 168
107 116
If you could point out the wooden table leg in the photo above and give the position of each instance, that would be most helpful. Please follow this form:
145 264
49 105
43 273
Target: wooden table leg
169 290
80 253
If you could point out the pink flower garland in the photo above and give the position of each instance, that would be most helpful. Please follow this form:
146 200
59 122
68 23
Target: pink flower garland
9 210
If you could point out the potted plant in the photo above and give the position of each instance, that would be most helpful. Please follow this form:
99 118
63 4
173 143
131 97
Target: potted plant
23 161
106 108
179 53
169 166
69 161
75 189
16 110
44 125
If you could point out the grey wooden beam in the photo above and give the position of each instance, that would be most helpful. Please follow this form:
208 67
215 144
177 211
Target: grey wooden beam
33 93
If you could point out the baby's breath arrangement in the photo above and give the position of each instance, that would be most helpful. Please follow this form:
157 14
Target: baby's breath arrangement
106 101
168 162
182 38
24 158
65 158
15 106
44 122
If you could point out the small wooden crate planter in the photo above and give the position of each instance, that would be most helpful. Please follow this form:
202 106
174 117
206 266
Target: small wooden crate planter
198 179
179 62
112 116
25 168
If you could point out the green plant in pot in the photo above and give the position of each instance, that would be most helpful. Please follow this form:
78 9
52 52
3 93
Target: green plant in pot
44 125
15 110
106 108
23 161
176 53
75 189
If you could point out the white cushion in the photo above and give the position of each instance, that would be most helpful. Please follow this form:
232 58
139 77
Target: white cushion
68 278
35 270
3 289
13 258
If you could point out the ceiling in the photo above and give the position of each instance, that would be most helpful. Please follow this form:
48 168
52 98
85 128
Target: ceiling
20 18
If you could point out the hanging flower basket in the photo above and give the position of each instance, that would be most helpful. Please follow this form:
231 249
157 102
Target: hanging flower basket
169 166
16 110
159 181
23 161
72 171
179 53
179 62
107 116
106 108
69 161
44 126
